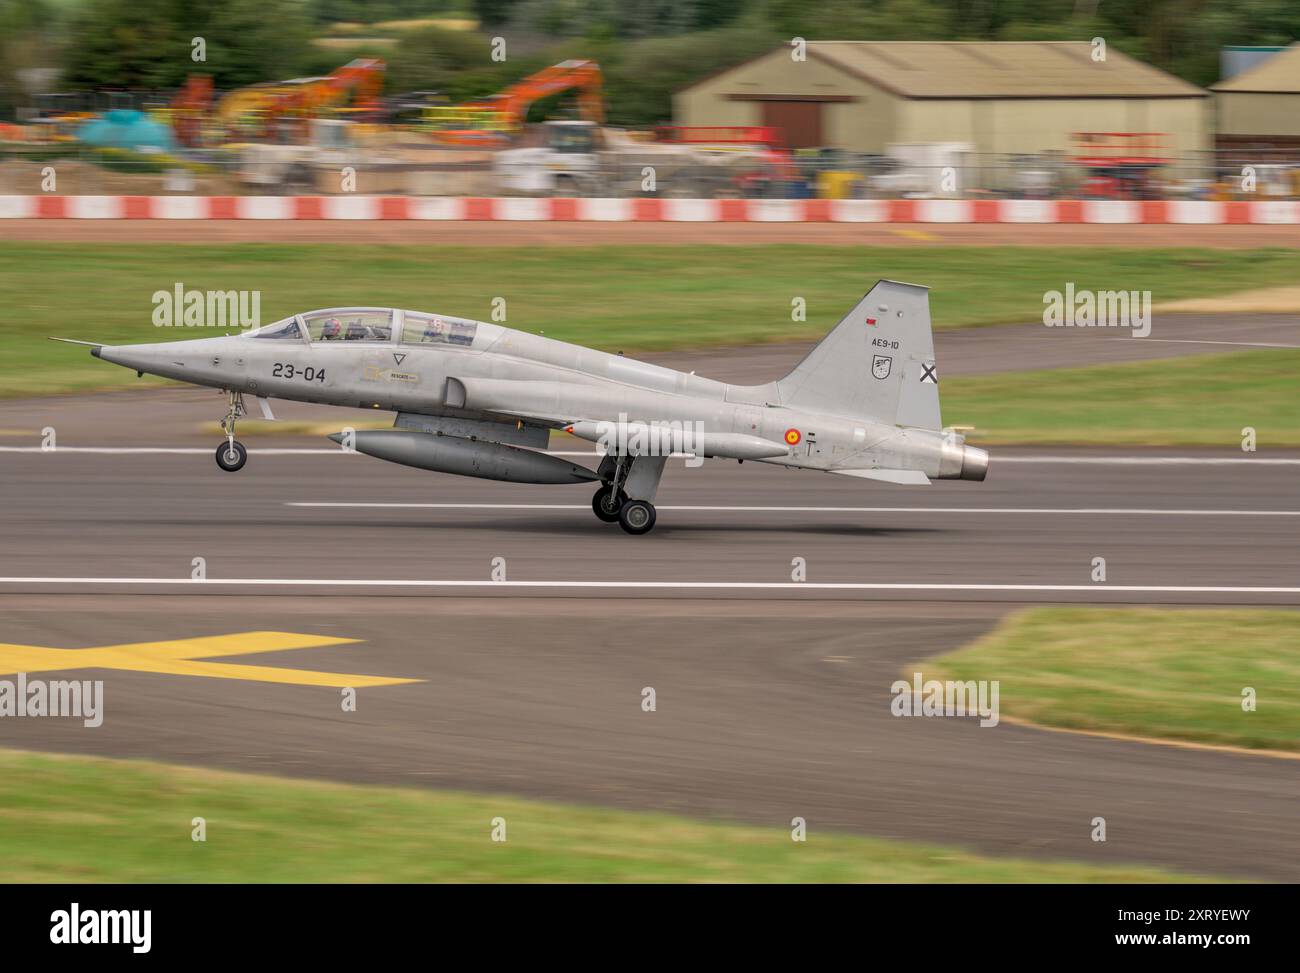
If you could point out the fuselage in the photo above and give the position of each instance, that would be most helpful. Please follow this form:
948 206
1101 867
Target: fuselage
428 364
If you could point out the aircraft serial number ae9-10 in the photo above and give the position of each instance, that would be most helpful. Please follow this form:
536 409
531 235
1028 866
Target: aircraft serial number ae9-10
478 399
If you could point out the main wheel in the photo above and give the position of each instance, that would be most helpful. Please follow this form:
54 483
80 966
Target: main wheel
637 516
231 456
606 505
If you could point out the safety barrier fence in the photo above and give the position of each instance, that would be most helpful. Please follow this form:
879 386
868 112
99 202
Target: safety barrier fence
561 209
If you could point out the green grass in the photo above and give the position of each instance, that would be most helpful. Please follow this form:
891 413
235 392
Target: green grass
81 819
632 298
1174 673
1194 401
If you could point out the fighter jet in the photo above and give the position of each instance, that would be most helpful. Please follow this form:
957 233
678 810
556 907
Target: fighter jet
479 399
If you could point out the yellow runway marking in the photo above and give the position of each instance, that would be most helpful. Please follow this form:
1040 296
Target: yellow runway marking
187 657
917 235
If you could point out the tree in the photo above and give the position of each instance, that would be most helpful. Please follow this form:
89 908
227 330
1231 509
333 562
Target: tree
147 43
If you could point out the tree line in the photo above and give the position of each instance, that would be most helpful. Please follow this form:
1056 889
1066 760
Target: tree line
648 48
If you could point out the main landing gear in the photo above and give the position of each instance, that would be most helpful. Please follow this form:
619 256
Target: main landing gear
637 516
634 516
231 455
607 504
611 502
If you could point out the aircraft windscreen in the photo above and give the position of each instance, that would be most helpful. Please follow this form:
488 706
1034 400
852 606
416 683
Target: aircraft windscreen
281 329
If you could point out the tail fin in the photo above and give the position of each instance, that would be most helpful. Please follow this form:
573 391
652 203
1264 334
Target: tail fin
877 363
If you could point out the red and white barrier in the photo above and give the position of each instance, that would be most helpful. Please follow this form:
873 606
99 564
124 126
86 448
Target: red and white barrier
1160 211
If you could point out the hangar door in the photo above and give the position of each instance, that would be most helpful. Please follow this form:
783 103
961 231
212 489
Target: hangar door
800 122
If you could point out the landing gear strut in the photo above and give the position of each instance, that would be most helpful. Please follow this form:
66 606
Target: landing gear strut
231 455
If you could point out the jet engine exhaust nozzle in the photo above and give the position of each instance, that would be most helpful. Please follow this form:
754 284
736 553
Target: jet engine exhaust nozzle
974 463
958 461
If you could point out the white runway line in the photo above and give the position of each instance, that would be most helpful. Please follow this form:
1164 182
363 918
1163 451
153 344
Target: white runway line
1133 511
177 450
996 458
1207 341
665 585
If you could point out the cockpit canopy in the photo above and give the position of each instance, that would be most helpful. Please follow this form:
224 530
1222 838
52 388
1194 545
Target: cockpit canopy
371 324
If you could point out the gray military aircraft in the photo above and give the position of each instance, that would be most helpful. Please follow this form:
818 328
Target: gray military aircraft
478 399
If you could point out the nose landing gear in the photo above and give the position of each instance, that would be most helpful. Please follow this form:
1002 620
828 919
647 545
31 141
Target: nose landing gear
231 455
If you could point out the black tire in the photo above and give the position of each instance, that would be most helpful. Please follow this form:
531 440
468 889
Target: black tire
637 516
606 511
231 457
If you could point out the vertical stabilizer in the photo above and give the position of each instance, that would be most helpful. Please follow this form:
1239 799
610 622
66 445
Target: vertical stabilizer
877 363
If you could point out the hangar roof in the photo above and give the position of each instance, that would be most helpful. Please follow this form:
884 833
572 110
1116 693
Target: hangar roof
1279 74
1000 69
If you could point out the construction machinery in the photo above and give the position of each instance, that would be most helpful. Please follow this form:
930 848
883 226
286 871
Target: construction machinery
277 111
497 119
189 108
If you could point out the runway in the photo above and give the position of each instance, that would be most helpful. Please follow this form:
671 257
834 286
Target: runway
772 695
355 523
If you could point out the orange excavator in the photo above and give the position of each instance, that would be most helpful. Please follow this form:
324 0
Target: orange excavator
262 111
190 107
493 121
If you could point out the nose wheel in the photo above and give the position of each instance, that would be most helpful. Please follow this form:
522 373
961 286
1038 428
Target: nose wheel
231 455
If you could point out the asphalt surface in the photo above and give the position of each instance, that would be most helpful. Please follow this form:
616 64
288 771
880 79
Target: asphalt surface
772 702
764 712
335 516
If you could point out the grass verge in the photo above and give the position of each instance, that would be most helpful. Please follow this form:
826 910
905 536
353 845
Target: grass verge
632 298
1195 401
1173 673
84 819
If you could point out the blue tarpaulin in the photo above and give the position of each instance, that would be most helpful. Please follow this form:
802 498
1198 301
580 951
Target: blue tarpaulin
123 129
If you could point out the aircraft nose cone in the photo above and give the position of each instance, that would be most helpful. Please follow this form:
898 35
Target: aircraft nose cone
143 358
336 437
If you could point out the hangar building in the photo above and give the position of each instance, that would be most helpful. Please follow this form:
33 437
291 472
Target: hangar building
1260 107
998 97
